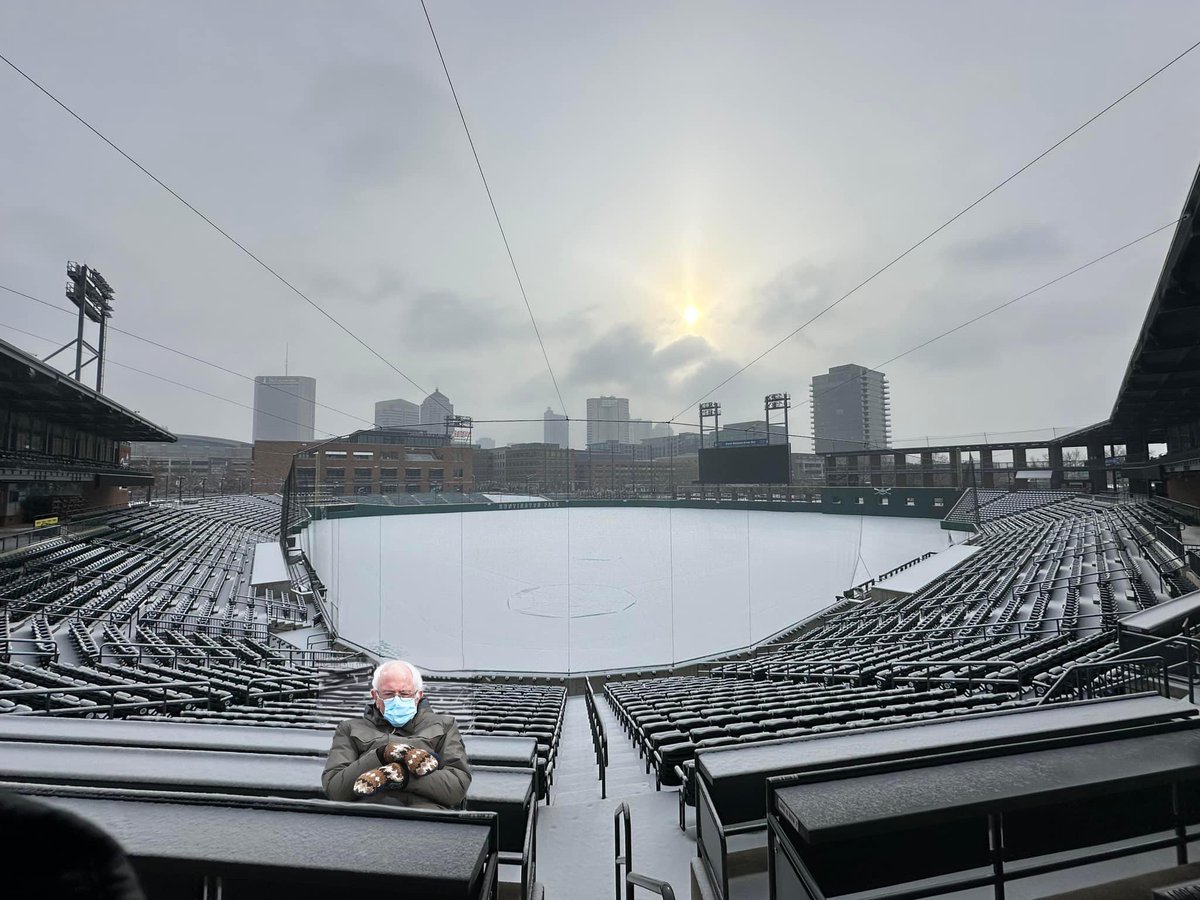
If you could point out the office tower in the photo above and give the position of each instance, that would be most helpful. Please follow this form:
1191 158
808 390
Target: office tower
284 407
851 410
640 430
556 429
396 413
434 410
608 420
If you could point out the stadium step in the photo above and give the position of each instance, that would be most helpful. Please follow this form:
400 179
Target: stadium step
576 778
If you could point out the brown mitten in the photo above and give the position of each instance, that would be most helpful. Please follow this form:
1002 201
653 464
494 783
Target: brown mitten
370 782
392 751
420 762
396 774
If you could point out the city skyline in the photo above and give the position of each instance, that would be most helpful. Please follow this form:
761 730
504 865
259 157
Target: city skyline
660 274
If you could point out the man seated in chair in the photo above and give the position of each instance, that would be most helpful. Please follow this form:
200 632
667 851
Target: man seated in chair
399 751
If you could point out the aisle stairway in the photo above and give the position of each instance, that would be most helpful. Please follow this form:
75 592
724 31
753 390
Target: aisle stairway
576 778
575 833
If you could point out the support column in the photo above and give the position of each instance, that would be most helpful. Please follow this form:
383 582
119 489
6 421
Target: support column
1056 467
987 477
927 469
956 468
1097 472
900 468
875 464
1137 452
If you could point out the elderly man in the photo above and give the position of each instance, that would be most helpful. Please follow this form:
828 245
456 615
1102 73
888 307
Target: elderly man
399 751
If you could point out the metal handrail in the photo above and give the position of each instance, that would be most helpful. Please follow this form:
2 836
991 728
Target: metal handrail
111 690
980 627
631 879
599 736
1082 683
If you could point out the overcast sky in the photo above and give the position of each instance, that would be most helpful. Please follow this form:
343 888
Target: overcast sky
752 160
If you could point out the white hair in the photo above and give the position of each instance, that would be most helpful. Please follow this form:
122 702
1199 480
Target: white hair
414 672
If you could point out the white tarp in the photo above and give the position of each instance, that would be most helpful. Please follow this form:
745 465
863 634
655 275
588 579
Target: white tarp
269 565
912 580
561 589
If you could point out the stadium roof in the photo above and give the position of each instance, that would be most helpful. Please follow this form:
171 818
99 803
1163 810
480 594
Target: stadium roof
1162 383
29 385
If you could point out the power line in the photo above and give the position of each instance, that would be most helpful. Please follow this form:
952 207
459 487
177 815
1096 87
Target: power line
189 387
669 422
998 308
966 209
495 212
186 355
225 234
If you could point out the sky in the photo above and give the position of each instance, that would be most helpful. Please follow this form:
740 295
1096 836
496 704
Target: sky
751 161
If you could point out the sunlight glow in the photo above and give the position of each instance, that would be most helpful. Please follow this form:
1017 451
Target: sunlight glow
691 315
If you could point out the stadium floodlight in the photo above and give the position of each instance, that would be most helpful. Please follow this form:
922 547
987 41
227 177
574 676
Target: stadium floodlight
92 296
774 403
710 410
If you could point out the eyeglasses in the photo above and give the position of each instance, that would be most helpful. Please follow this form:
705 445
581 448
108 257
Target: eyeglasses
398 695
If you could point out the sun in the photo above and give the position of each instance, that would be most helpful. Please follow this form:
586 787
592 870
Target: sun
691 315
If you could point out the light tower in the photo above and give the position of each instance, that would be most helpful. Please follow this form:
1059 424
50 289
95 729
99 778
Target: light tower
710 410
93 296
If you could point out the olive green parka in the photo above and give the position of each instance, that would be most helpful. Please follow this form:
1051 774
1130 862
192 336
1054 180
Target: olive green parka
355 751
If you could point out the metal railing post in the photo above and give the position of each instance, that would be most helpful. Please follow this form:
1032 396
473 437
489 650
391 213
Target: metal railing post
1191 670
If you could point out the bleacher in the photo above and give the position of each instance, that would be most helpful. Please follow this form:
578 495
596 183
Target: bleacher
153 595
988 504
149 616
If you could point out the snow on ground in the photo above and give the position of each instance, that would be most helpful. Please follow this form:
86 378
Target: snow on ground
513 498
492 589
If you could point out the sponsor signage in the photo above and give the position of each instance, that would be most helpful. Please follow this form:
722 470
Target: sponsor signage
44 522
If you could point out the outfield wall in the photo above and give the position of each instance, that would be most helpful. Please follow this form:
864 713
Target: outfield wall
590 586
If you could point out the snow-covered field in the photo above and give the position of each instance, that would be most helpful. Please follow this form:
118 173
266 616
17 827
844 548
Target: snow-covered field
492 590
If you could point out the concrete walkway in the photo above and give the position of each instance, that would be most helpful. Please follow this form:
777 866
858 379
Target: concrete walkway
575 833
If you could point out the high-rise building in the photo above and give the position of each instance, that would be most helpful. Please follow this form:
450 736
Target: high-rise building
396 413
640 430
851 410
285 407
556 429
486 443
608 420
434 410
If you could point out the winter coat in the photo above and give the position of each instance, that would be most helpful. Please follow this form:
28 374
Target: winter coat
355 750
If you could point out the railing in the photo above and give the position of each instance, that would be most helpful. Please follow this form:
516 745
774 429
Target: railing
599 737
192 623
861 590
625 884
946 632
980 672
112 690
1110 678
1184 511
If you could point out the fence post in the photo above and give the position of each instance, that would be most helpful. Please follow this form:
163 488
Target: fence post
1191 673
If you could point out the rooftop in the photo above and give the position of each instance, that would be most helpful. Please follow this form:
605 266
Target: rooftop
31 386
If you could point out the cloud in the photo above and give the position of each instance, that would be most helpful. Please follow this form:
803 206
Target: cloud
451 321
1030 243
374 121
625 360
793 297
387 286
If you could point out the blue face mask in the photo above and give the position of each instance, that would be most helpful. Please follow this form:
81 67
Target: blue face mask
399 711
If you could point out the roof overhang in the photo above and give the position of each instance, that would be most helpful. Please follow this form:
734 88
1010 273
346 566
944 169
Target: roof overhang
1161 386
29 385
